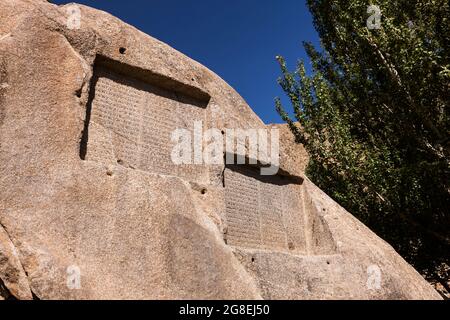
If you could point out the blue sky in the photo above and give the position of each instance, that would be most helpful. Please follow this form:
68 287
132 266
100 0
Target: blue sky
237 39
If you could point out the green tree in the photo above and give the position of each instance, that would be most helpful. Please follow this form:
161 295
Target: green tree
374 118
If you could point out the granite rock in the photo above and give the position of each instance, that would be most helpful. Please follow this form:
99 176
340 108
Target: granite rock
91 208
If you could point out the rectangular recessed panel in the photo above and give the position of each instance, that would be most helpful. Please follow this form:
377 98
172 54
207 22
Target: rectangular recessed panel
240 191
273 231
263 212
131 123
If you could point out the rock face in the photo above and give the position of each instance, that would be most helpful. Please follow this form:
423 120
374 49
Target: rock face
91 207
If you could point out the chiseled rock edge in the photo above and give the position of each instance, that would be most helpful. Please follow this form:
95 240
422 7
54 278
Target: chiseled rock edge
49 196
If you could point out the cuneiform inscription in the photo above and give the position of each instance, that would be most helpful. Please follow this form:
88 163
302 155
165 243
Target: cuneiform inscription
131 123
263 213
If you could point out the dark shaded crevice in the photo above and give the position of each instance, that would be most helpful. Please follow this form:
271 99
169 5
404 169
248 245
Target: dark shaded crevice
223 177
85 133
79 92
223 170
256 167
35 297
253 171
5 293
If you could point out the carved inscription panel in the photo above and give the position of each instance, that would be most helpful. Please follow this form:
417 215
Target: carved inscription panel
263 212
131 123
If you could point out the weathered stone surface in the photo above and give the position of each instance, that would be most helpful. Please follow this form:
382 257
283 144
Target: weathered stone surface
13 280
80 189
293 156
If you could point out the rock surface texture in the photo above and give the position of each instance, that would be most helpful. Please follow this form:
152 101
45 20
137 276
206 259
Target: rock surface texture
92 208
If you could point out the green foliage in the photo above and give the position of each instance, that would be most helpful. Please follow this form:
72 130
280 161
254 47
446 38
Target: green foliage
374 118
